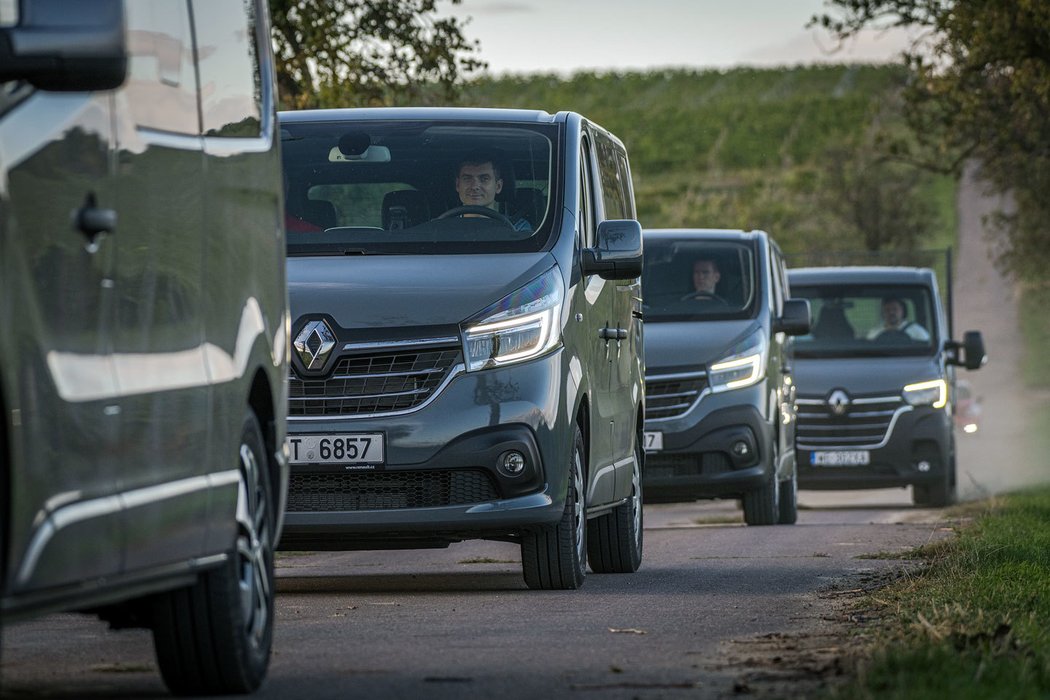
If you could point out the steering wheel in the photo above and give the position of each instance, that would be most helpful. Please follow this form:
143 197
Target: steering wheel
474 209
704 296
892 337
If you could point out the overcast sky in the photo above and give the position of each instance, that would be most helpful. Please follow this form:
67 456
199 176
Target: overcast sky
563 36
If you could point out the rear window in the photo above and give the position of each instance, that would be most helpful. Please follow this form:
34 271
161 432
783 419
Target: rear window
418 187
868 320
687 280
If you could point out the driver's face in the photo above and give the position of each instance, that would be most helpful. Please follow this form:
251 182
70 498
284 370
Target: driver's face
705 276
477 185
892 314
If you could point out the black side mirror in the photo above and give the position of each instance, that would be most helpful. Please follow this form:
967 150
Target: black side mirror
66 46
618 255
972 347
796 319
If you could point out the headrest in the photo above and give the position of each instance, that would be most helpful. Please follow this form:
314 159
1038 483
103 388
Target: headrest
404 209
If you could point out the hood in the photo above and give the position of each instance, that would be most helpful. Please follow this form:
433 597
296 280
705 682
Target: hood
860 376
690 344
389 291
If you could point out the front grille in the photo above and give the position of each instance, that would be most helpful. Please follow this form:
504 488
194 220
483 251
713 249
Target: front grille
671 397
663 466
382 382
865 423
389 490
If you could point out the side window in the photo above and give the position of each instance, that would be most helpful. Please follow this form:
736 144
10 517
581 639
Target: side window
776 283
628 187
161 90
228 59
609 174
586 202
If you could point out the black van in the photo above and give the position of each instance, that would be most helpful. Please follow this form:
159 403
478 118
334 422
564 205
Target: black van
144 351
467 357
720 415
876 381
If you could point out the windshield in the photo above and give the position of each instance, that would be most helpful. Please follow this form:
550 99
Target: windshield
358 187
869 320
688 280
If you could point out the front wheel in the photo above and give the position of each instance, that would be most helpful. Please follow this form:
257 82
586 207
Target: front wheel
762 505
614 540
789 500
555 558
214 638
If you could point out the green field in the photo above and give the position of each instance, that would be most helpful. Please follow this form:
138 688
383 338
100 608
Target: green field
743 148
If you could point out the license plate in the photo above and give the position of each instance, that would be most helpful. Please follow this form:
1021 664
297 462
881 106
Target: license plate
653 442
351 449
844 458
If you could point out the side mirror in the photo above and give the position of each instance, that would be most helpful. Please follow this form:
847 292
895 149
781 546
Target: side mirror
618 255
972 347
66 46
796 319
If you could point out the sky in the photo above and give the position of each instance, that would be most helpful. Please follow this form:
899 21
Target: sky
565 36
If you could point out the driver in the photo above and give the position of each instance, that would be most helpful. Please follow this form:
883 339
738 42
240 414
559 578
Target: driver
894 318
478 181
705 278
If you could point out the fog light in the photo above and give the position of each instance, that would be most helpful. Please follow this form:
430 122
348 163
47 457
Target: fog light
511 463
741 448
923 466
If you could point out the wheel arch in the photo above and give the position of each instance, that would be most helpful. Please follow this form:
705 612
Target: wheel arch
261 402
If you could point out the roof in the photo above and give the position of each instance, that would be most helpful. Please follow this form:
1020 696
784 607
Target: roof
720 234
861 275
422 113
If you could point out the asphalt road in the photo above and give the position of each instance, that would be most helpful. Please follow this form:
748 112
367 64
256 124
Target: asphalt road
459 622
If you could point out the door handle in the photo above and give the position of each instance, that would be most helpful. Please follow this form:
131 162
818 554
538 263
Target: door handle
92 219
612 333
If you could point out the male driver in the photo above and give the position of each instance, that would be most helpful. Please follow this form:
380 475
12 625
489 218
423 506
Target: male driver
705 278
894 318
478 181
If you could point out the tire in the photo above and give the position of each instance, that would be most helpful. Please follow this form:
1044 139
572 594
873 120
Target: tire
214 638
614 540
555 558
762 506
789 500
936 495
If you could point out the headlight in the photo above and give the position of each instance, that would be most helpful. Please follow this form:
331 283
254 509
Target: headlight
932 393
743 366
521 326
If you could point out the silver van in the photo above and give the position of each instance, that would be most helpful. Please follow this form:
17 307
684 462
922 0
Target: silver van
144 347
467 347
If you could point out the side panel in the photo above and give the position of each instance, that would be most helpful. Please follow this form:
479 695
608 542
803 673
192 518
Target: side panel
244 266
55 313
159 353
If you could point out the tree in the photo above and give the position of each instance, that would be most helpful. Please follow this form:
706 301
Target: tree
981 91
357 53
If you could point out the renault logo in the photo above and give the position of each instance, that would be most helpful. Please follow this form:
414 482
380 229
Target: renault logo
838 402
314 344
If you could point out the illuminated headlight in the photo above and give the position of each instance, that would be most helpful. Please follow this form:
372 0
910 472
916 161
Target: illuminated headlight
743 366
519 327
932 393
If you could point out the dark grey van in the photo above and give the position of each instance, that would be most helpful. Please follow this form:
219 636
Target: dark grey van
720 415
144 348
467 357
876 381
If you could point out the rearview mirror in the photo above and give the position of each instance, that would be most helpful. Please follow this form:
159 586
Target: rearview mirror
66 46
618 255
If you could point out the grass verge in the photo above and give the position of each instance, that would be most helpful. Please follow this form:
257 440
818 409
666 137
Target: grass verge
976 622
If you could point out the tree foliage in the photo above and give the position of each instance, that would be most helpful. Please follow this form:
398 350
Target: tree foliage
368 53
981 91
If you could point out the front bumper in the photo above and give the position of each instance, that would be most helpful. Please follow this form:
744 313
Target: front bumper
698 460
440 481
918 451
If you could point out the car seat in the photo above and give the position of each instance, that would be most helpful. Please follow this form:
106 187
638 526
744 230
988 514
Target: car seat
530 204
833 325
404 209
320 212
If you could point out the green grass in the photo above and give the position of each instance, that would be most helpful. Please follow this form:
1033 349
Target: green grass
976 622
